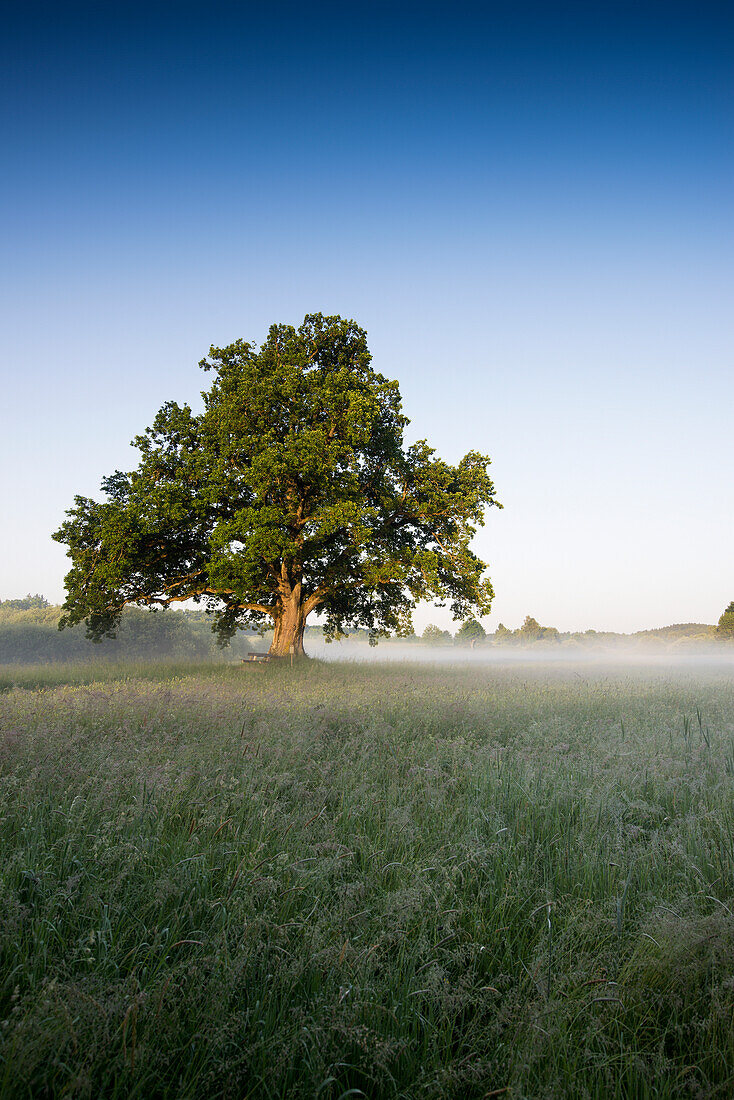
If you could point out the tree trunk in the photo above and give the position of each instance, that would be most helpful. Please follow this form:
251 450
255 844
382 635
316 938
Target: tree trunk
289 628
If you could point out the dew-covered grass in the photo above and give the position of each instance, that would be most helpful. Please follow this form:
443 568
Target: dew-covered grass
344 880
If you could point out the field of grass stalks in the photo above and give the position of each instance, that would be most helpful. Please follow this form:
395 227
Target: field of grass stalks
367 880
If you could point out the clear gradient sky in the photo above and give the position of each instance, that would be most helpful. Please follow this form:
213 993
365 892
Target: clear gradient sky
527 206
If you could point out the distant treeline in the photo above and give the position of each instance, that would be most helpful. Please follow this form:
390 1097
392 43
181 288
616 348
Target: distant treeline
29 633
677 635
472 635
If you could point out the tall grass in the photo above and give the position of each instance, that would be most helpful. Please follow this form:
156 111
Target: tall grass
44 674
360 880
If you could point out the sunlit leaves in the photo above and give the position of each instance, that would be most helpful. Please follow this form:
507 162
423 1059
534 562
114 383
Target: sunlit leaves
293 484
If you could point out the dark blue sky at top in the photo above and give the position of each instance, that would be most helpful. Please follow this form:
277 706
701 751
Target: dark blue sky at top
528 206
122 109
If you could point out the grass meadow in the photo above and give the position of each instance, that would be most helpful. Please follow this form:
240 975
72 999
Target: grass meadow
344 880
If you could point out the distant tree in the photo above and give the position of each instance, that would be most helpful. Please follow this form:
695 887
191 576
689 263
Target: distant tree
292 492
28 603
531 630
433 635
725 629
470 632
503 635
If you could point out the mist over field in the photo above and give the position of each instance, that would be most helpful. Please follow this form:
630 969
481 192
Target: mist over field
619 655
29 634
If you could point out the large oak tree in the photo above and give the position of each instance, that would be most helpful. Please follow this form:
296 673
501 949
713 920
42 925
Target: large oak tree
291 492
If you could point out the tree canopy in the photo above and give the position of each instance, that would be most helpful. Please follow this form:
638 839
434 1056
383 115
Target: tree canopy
470 632
725 628
291 492
29 603
528 634
433 635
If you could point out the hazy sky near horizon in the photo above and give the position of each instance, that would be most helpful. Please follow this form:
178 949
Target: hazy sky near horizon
528 207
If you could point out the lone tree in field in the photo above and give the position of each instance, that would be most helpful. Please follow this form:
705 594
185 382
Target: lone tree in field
291 492
470 632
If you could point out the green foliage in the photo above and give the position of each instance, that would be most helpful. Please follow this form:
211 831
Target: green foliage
503 635
531 630
32 635
470 631
677 632
725 628
28 603
433 635
401 880
292 491
530 633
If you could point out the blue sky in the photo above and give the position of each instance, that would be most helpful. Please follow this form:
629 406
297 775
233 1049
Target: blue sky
528 207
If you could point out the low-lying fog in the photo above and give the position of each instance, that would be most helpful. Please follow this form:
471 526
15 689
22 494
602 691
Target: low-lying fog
718 656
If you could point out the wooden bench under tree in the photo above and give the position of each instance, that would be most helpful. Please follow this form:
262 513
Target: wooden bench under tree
263 658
